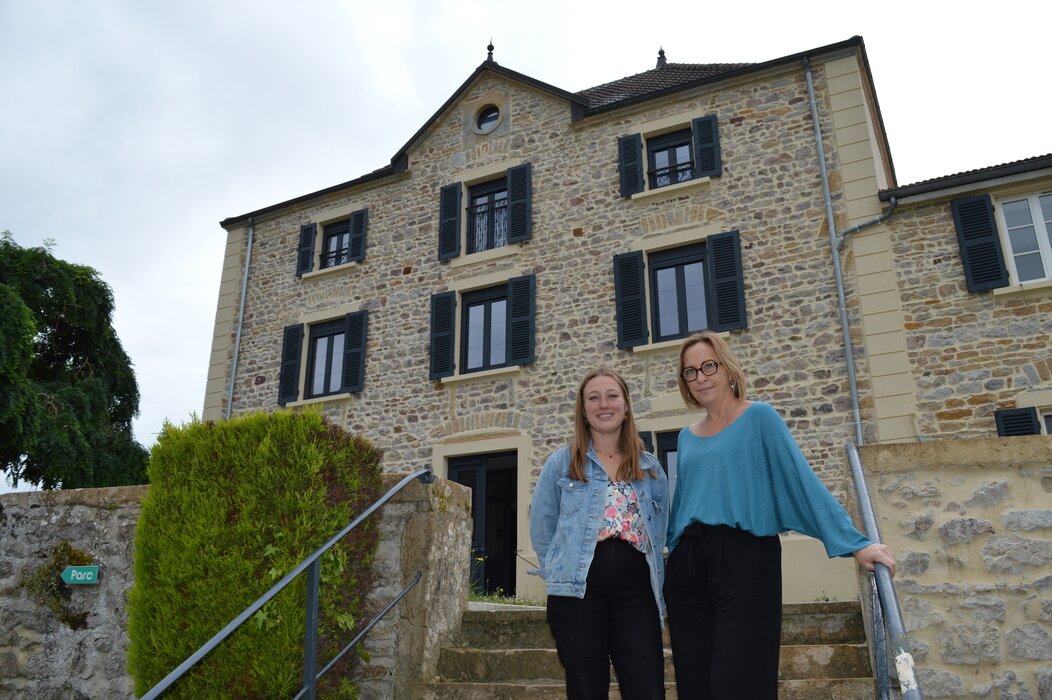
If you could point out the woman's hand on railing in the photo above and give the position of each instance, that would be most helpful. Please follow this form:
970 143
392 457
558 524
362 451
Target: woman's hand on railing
874 553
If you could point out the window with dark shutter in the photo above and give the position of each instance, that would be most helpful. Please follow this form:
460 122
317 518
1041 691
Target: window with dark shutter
305 256
1017 421
521 324
449 222
706 147
359 224
679 292
728 289
981 254
443 321
687 289
288 378
520 207
630 299
356 328
630 158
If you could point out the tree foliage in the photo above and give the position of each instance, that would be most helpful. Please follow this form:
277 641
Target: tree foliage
67 390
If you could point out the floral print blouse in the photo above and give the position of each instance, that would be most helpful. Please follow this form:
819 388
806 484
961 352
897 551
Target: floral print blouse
621 516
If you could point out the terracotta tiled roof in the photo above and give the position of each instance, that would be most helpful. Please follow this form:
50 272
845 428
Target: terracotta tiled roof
670 75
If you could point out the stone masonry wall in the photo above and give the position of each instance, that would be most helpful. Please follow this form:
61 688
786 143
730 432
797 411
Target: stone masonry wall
971 353
971 524
41 656
769 191
425 528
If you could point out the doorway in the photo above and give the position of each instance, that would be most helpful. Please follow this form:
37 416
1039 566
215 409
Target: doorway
492 480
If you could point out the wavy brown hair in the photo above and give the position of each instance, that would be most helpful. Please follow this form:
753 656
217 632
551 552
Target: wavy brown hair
629 442
724 356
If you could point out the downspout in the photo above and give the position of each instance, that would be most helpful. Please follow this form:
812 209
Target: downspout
240 321
834 244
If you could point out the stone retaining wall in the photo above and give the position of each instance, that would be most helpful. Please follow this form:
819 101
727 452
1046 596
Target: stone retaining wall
971 525
41 656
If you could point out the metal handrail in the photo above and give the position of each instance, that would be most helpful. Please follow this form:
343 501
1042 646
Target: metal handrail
886 611
313 579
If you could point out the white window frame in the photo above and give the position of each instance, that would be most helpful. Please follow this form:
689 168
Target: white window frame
1042 230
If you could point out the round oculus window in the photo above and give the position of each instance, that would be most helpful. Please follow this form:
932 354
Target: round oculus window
487 119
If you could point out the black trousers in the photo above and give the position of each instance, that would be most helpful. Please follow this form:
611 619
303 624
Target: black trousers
723 591
616 621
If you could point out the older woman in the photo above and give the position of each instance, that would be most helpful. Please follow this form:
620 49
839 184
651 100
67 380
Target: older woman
598 523
742 480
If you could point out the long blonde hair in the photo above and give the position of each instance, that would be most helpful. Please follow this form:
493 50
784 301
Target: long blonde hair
629 441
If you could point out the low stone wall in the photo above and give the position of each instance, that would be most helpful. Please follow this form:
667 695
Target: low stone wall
971 525
41 656
426 528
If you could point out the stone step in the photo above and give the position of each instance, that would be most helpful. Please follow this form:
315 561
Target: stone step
809 689
507 652
526 627
797 661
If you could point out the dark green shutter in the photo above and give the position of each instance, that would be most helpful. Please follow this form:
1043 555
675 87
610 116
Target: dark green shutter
521 303
1017 421
289 377
630 157
726 284
449 222
630 299
984 264
305 258
359 224
520 206
354 351
707 162
443 325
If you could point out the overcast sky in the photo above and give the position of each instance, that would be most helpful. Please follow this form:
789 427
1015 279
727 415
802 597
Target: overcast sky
128 130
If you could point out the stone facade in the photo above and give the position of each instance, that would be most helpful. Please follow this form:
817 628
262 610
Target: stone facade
933 361
769 191
970 354
423 528
971 524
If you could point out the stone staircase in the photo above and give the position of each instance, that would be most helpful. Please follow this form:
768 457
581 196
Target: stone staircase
507 653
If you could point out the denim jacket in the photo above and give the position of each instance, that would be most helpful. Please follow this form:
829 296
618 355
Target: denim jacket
565 517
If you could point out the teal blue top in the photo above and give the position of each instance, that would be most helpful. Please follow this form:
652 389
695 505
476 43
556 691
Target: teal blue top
753 476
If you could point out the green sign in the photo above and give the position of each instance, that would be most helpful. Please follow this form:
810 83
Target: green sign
81 574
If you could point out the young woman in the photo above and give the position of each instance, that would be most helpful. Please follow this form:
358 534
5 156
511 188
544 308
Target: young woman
598 523
742 480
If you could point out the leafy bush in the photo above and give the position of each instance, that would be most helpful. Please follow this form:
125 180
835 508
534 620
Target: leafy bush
232 507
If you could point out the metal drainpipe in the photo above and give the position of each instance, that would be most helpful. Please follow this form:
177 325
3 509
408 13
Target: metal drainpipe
240 320
835 247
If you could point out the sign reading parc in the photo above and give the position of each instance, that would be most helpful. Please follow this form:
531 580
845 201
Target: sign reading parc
81 574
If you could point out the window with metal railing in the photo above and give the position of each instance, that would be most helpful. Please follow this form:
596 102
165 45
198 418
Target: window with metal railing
670 159
337 244
488 216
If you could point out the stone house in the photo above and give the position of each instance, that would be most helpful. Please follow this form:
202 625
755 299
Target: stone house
447 304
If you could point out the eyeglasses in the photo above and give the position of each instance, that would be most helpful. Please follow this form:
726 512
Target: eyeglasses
709 368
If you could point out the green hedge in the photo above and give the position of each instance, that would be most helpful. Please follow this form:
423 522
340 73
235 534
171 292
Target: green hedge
232 507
